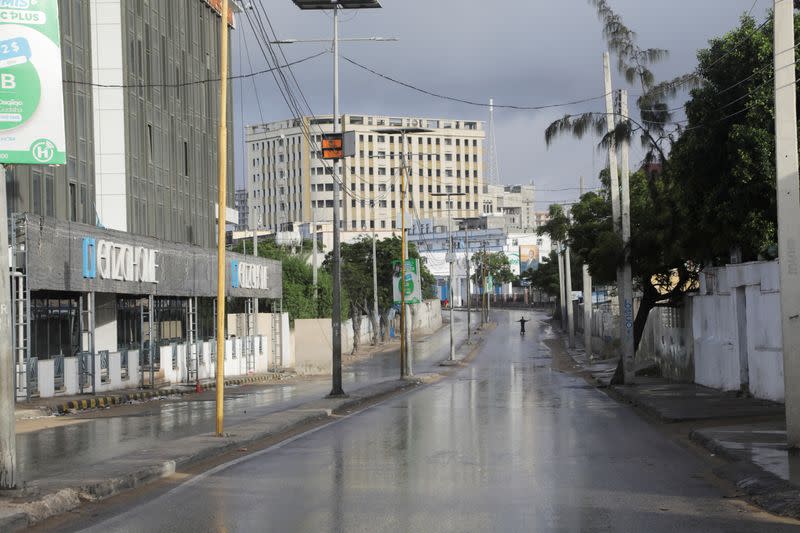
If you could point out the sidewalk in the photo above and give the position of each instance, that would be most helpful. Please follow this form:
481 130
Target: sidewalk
750 434
92 455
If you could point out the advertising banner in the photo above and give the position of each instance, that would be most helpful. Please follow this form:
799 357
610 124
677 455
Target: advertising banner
31 95
413 284
529 257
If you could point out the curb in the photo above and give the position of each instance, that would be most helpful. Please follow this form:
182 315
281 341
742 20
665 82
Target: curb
761 488
103 402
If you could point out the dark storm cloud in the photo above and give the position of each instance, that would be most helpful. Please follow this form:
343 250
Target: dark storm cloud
523 52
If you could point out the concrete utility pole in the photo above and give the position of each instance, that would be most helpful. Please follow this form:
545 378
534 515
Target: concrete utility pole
568 300
626 302
8 448
788 211
587 302
255 300
314 263
336 319
613 172
375 334
451 259
222 173
561 306
469 282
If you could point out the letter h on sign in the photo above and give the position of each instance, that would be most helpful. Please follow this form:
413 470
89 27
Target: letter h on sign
89 258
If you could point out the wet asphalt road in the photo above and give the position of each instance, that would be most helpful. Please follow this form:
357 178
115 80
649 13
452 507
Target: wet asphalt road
48 453
509 444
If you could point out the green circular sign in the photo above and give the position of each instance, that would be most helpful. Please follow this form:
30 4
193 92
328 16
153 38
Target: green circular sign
409 285
20 93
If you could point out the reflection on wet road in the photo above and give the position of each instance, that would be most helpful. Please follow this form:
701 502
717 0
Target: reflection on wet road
508 444
50 452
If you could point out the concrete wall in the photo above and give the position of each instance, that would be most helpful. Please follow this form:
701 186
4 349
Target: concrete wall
667 341
737 330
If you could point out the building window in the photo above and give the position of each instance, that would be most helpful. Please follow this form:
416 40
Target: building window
73 202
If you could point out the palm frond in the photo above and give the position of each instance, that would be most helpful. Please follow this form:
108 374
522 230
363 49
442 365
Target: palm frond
576 125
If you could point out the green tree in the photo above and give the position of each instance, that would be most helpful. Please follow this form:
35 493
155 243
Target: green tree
298 281
494 264
723 164
357 279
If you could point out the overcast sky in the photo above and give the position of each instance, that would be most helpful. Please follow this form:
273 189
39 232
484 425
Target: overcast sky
520 52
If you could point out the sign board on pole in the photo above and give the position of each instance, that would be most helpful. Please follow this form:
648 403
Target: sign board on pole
413 284
31 95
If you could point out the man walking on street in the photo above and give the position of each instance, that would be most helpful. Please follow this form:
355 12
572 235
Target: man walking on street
522 322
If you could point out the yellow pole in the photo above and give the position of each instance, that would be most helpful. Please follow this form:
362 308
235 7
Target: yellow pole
221 218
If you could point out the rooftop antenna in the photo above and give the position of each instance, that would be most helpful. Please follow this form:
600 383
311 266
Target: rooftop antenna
494 166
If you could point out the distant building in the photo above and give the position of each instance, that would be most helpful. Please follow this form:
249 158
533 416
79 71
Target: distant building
542 218
290 184
240 204
516 203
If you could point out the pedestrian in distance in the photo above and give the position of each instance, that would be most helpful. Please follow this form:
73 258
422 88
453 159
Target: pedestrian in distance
522 322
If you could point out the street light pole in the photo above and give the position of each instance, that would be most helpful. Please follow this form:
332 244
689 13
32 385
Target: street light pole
337 260
452 260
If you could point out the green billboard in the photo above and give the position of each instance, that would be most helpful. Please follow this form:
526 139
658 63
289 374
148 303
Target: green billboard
31 93
412 285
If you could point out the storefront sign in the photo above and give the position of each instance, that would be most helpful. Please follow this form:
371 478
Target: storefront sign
31 99
249 276
119 262
63 256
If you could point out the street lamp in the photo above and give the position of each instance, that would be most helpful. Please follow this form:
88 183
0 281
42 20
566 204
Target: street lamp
452 260
336 320
405 361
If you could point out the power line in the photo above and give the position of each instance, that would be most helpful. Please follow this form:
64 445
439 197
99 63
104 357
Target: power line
191 83
468 102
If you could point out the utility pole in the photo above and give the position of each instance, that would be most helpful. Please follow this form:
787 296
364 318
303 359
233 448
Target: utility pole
451 258
337 390
614 178
561 286
222 173
377 320
483 286
587 302
788 211
626 309
8 448
255 300
469 282
568 300
314 263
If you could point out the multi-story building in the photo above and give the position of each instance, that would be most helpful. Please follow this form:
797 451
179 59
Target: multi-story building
288 181
517 203
138 135
240 204
125 229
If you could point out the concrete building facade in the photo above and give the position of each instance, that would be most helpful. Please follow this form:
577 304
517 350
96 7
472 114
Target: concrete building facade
517 203
112 252
288 181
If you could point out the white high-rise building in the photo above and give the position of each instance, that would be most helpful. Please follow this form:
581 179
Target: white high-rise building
288 182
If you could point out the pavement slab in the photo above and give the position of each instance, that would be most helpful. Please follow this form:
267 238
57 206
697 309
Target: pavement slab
763 467
680 402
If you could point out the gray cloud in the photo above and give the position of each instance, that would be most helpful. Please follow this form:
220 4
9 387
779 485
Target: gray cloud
525 52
